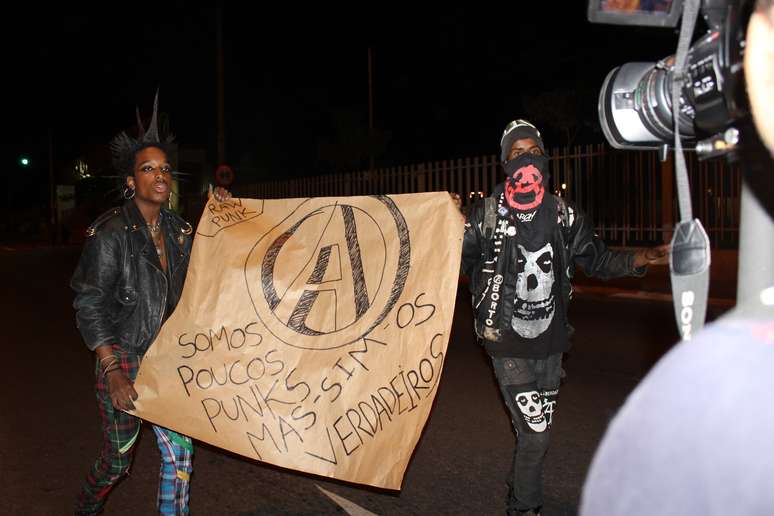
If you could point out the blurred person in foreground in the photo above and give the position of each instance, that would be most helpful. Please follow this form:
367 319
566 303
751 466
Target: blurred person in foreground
697 435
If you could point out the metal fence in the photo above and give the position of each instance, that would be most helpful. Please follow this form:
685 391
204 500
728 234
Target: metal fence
628 194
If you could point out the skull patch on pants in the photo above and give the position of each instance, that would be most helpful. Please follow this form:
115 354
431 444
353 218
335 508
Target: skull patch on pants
530 404
534 305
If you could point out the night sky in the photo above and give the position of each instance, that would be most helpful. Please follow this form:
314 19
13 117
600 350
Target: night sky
446 81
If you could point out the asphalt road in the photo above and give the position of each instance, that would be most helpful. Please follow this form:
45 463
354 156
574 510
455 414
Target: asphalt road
49 424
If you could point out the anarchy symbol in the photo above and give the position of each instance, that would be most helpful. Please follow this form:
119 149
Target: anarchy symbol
330 272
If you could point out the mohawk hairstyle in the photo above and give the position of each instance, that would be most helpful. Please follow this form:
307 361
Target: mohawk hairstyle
124 148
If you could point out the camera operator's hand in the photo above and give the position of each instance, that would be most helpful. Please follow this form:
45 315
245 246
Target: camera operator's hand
658 255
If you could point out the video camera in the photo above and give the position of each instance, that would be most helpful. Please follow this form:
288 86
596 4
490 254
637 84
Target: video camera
635 102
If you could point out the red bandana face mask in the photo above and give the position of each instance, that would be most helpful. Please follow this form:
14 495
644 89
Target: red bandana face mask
524 189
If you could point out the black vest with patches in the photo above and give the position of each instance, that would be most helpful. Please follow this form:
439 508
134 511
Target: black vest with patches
522 289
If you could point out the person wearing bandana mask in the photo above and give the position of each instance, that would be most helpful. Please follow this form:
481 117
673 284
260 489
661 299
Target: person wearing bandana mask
520 250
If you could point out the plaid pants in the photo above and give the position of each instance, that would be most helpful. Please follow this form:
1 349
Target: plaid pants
176 454
119 435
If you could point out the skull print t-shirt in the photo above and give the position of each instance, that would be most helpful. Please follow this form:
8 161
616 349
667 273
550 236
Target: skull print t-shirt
538 319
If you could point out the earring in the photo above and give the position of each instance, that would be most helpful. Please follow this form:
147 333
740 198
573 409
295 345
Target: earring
128 192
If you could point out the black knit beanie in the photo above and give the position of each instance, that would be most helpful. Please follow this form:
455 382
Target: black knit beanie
517 130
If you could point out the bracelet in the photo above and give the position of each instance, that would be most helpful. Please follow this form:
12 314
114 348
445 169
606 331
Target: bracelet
107 361
115 367
107 366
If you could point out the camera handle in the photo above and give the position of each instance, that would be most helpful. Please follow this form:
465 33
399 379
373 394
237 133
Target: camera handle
689 258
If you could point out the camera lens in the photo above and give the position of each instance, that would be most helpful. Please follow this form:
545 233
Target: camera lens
635 107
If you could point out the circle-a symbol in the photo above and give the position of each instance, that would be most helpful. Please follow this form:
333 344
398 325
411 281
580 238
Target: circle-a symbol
330 272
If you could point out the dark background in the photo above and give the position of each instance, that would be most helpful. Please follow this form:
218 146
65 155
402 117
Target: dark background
445 81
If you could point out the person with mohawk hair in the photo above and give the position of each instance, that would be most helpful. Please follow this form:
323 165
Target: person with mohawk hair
127 282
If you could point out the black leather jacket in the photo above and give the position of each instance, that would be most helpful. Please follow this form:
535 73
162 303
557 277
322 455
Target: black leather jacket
122 293
581 247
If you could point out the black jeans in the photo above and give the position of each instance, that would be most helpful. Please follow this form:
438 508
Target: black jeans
529 388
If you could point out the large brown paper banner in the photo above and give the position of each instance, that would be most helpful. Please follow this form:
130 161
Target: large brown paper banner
311 333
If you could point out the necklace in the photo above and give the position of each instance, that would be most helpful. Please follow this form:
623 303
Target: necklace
157 243
155 231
